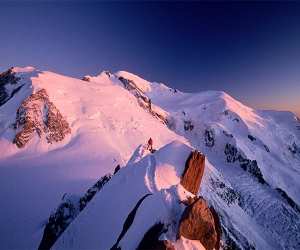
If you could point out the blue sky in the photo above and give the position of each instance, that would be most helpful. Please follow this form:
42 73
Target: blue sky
250 50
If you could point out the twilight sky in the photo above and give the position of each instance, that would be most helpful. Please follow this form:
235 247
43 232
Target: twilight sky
250 50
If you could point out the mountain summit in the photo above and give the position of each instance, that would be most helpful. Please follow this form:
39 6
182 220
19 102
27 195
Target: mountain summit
59 135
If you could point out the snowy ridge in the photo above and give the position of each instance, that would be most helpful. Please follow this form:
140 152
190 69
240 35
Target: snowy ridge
109 121
107 125
156 197
267 143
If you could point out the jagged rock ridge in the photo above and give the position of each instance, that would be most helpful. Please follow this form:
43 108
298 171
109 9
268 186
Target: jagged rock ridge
233 155
143 100
8 78
67 211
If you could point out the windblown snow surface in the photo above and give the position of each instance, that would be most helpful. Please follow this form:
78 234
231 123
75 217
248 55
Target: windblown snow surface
108 211
252 162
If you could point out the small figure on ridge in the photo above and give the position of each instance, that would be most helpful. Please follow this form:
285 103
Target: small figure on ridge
150 145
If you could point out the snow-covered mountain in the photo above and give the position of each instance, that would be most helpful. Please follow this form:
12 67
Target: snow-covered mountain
59 135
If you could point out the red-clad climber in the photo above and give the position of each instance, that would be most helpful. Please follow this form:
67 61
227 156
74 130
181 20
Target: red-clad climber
150 145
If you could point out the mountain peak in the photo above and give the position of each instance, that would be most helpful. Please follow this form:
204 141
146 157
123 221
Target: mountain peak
252 157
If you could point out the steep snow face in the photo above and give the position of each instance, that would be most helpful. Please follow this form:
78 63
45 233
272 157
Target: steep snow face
256 151
253 156
106 123
212 119
100 224
96 109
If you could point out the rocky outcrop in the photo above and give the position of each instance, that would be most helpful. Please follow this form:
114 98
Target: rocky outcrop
188 125
38 115
86 78
294 148
59 221
251 138
227 194
209 137
90 193
67 211
266 148
233 155
143 100
6 78
199 223
258 142
190 217
193 172
117 169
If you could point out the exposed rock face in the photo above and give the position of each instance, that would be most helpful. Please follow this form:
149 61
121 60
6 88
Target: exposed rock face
90 193
233 155
117 169
229 195
193 172
251 138
188 126
198 223
143 100
67 211
38 115
59 220
86 78
8 77
209 138
267 148
294 148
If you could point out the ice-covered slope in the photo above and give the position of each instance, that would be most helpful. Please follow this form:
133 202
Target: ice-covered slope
106 213
140 196
272 138
253 155
256 151
210 120
106 123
